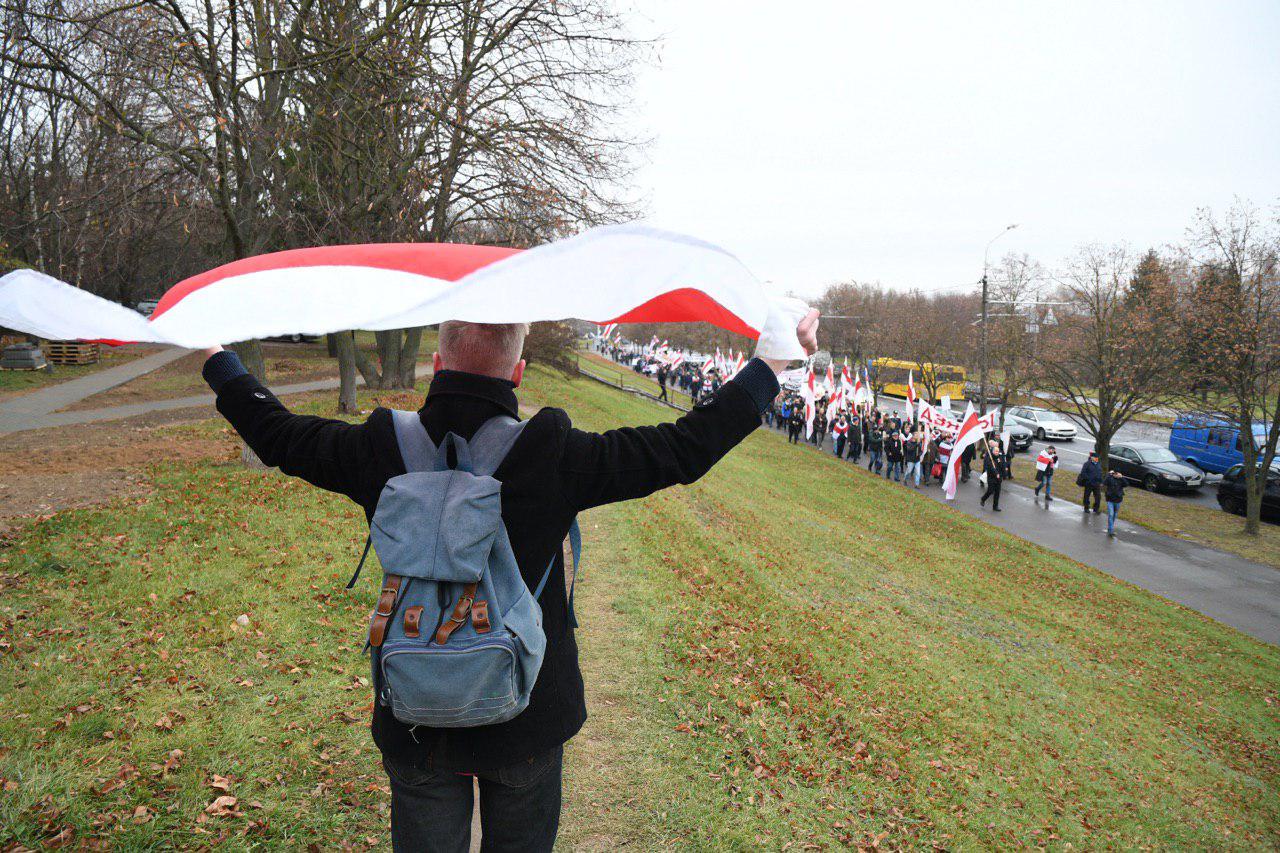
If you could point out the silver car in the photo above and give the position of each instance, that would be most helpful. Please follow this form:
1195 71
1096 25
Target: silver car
1044 424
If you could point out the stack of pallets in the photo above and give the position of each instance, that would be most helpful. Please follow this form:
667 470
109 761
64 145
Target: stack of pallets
71 352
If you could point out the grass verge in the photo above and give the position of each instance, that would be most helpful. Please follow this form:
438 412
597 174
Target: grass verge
785 651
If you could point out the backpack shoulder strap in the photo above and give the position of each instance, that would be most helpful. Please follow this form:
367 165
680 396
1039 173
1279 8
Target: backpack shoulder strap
492 442
416 447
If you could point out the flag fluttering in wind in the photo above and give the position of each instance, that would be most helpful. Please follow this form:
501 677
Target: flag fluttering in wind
607 330
809 391
970 432
911 392
611 274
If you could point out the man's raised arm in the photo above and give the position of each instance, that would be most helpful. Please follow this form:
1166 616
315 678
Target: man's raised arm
324 452
632 462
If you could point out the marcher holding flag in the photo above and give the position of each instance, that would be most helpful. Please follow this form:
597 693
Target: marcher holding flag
1046 464
970 432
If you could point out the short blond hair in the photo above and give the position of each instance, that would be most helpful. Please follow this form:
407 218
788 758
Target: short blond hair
491 349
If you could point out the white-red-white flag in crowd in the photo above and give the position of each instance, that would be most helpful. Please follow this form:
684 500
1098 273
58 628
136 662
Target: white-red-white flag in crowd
859 390
911 392
970 432
607 330
829 381
809 391
846 382
653 344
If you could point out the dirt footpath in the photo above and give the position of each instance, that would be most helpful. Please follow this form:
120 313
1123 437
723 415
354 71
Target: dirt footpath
45 471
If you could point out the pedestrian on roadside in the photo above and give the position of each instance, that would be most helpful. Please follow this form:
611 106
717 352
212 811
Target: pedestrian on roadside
662 382
1090 479
1046 464
1114 489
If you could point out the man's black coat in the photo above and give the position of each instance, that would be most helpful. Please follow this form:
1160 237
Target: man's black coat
552 473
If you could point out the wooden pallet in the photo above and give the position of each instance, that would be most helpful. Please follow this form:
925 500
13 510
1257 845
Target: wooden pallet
71 352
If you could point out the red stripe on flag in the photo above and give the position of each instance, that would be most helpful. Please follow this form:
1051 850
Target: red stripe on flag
685 304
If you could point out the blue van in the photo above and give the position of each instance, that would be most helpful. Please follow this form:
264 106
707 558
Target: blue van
1210 443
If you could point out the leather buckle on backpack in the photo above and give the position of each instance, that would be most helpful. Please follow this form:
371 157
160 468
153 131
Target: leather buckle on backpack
387 601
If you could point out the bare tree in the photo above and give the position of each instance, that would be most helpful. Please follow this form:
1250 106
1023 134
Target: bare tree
1110 358
1236 312
1014 324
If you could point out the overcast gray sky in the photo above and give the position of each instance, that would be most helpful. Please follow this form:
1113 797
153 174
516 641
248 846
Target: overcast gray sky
824 141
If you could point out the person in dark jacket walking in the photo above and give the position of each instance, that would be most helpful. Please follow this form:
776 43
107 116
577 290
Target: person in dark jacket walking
1090 479
1114 487
996 467
875 447
552 473
854 451
662 382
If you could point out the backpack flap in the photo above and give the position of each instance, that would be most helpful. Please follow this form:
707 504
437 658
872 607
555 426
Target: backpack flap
437 525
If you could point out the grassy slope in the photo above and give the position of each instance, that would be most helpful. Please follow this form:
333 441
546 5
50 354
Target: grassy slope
786 649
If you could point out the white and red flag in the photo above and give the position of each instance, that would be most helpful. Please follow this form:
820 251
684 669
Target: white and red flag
737 364
809 391
911 392
675 360
846 382
970 432
829 381
607 330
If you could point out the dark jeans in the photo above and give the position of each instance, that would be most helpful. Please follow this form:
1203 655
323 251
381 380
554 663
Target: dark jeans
1094 492
992 493
519 806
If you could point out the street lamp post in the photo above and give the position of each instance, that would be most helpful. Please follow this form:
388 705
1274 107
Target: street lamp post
982 346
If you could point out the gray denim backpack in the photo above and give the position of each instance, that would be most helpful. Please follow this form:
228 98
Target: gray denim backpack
456 638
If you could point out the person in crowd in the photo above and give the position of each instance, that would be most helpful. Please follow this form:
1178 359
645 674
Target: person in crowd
1046 464
875 448
966 462
854 451
1090 479
820 424
996 467
944 457
893 452
911 458
839 434
662 382
1114 488
796 424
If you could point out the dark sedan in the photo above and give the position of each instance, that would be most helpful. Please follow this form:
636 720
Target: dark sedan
1156 468
1231 495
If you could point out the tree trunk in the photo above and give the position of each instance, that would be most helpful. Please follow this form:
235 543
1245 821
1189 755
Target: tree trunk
409 357
250 353
344 347
1253 502
389 356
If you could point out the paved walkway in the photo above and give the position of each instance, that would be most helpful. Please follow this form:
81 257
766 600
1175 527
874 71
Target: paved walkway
25 407
41 417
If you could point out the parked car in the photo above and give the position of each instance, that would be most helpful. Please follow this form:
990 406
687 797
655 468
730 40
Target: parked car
1019 436
1209 443
295 338
147 306
1044 424
1156 468
1231 496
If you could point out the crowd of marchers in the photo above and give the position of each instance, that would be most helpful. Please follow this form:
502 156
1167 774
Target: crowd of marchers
897 447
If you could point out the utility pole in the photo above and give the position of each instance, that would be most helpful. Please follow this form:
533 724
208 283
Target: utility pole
982 340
